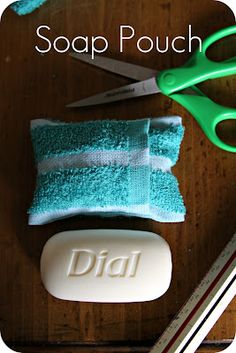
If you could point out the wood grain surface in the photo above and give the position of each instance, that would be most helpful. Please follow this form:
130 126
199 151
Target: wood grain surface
34 85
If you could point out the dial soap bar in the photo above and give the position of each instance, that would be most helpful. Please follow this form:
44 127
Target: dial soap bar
112 266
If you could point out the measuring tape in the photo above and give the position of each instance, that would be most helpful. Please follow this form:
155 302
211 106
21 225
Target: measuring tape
209 300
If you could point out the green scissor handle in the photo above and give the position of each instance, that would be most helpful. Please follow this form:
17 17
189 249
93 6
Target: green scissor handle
199 68
208 114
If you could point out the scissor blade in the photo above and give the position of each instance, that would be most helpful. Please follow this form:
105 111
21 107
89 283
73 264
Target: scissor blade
132 71
138 89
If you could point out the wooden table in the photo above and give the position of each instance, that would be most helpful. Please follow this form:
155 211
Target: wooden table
34 85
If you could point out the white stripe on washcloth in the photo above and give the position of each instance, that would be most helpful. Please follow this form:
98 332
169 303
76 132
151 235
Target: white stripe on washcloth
98 158
161 163
165 216
143 211
46 217
42 122
156 123
165 121
139 158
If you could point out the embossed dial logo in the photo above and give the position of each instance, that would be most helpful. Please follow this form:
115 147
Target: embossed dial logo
85 261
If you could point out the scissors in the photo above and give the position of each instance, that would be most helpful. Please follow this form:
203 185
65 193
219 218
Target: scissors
178 84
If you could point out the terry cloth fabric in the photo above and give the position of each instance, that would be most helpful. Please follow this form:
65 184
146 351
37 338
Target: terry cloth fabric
24 7
107 168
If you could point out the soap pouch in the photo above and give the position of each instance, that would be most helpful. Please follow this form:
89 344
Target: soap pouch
107 168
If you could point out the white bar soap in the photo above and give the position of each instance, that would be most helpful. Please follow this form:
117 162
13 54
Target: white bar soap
111 266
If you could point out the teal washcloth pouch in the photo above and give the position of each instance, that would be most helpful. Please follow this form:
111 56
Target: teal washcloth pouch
24 7
107 168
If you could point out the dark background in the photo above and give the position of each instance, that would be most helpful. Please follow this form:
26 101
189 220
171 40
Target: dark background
34 85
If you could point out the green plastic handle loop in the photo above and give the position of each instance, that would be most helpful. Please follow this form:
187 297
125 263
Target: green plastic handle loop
199 68
208 114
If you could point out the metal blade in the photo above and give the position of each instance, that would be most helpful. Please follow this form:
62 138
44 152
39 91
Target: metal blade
135 72
138 89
